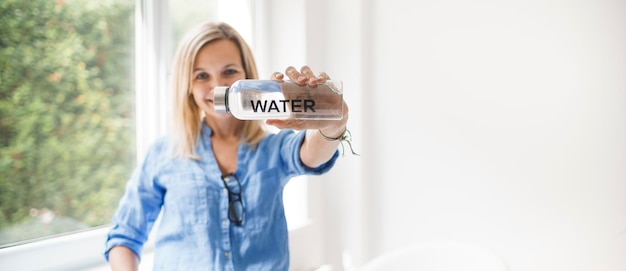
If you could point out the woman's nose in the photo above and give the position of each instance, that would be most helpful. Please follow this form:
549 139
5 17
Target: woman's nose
218 83
223 83
214 83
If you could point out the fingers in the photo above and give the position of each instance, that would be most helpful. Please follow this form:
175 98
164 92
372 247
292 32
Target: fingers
312 80
295 76
305 76
277 76
323 77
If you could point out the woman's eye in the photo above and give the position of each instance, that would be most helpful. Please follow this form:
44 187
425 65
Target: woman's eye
230 71
202 76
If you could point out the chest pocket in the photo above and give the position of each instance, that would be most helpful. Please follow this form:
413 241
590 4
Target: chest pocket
263 201
190 198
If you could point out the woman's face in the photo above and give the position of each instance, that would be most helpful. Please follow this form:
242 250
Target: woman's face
217 64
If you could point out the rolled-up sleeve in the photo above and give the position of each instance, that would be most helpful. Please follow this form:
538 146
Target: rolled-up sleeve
291 155
138 209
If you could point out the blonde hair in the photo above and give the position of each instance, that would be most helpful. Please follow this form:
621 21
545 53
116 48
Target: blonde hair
186 114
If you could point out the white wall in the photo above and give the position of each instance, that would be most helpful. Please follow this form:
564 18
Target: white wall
499 123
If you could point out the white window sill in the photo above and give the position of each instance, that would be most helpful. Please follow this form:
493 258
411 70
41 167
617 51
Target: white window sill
76 251
82 251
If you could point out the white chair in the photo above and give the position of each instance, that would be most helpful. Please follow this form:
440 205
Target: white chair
438 256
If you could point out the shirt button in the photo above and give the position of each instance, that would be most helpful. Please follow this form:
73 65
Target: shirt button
224 191
227 254
225 223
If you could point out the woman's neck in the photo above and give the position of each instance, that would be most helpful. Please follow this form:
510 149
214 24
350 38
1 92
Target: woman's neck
225 129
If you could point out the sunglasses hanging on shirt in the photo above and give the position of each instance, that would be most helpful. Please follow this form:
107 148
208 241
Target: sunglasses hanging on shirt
235 205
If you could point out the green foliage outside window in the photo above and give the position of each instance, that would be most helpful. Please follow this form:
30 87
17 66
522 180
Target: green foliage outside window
66 114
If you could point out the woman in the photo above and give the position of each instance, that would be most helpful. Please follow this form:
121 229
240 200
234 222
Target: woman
217 180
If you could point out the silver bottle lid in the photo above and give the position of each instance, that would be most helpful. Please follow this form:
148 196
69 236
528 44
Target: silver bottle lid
219 99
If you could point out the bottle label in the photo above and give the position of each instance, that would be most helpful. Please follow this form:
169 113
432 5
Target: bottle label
295 106
269 99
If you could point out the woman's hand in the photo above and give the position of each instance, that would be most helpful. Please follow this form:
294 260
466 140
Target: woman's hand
304 76
330 128
322 136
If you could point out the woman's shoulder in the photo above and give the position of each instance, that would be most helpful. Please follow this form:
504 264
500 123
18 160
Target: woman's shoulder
161 157
159 149
160 144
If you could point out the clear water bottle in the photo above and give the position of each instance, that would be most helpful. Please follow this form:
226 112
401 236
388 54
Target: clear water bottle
270 99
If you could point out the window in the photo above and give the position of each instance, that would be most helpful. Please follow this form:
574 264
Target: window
66 114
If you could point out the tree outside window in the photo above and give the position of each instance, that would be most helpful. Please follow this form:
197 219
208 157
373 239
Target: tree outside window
66 114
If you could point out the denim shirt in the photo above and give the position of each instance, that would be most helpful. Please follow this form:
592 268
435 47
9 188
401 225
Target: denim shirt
194 231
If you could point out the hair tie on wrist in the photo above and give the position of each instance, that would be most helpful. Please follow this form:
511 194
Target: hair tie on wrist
345 136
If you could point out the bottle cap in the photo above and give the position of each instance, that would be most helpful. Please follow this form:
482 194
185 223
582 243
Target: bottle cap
219 99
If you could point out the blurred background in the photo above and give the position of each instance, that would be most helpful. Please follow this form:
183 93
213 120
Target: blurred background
500 124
